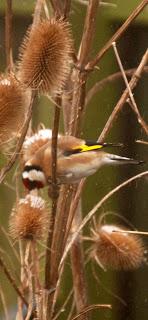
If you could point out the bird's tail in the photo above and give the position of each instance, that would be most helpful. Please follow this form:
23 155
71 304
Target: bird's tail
112 158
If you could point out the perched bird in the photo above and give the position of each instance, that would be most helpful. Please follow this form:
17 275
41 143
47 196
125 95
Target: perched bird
76 159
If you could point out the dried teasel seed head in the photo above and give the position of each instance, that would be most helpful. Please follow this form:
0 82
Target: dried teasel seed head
14 101
45 56
117 250
33 143
29 218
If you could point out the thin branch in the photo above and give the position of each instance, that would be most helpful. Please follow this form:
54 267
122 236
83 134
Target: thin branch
88 33
136 76
132 101
97 206
12 160
92 307
117 34
5 307
8 35
98 86
12 280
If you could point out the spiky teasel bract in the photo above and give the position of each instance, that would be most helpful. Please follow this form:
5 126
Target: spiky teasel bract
29 218
14 101
33 143
45 56
116 250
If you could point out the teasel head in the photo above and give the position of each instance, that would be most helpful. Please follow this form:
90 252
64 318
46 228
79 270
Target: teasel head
29 219
115 249
14 101
45 56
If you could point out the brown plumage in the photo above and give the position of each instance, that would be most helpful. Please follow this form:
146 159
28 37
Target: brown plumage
29 219
13 106
117 250
45 56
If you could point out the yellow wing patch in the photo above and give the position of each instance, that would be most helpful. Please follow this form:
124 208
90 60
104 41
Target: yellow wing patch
84 148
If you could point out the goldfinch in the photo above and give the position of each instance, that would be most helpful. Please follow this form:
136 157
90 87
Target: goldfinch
76 159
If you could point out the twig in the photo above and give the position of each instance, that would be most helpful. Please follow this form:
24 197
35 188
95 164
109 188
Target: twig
12 280
132 101
64 305
54 193
98 86
12 160
117 34
136 76
8 35
97 206
4 304
92 307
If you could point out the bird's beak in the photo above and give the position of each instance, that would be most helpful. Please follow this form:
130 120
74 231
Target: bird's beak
105 144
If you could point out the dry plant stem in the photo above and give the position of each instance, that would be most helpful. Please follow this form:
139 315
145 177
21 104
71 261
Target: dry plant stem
12 281
117 34
12 160
54 193
37 12
132 101
98 86
8 35
142 233
4 304
78 268
67 6
64 305
98 206
57 243
136 76
79 75
57 7
92 307
88 33
35 266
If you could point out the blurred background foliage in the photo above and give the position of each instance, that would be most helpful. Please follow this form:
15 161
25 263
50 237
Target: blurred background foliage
131 202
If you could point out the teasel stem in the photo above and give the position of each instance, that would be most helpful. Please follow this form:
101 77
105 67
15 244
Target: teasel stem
8 35
12 281
78 268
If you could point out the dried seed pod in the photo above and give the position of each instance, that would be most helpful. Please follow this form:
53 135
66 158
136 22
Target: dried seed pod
14 101
45 56
29 218
33 143
117 250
